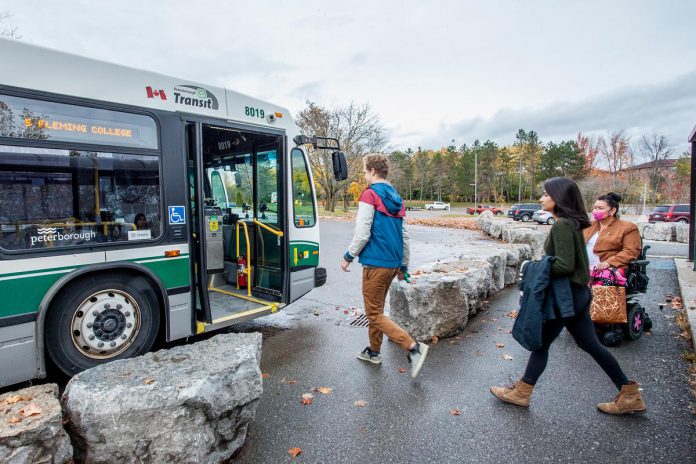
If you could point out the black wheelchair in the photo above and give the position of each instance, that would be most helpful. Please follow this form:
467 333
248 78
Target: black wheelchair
637 319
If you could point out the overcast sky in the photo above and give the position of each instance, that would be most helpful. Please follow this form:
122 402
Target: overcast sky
434 71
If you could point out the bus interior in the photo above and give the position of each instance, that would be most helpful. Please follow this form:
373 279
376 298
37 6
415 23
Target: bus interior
237 223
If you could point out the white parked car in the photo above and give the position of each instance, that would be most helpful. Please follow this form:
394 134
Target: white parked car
437 205
543 217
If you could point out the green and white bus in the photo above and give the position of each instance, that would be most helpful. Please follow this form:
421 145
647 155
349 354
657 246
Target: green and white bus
135 205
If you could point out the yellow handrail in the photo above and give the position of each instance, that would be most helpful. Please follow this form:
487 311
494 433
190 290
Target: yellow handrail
247 271
272 230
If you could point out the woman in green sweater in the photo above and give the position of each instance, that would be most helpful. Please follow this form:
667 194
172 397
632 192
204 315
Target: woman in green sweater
566 243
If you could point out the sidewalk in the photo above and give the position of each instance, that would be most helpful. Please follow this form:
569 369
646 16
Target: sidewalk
687 287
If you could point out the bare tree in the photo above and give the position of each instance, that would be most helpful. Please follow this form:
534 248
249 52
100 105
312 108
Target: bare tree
6 29
615 151
359 132
655 149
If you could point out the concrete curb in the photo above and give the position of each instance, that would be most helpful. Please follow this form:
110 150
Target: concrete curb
687 287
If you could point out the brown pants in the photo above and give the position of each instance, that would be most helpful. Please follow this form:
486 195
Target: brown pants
375 286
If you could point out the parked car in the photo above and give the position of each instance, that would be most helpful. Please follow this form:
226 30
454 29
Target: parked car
543 217
671 213
511 211
524 211
480 209
437 205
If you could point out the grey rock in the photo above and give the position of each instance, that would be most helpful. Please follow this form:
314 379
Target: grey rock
496 229
440 301
430 308
660 231
682 233
641 227
38 438
484 221
191 403
531 237
513 255
511 275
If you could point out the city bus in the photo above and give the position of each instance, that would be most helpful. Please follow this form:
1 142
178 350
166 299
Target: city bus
137 207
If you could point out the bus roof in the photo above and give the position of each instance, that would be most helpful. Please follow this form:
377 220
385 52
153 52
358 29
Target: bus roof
37 68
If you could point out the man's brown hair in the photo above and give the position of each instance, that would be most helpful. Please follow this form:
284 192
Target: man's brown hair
379 162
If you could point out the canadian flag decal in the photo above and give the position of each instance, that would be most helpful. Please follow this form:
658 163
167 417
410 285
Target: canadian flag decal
155 93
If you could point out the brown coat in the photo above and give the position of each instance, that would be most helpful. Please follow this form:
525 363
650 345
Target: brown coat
617 244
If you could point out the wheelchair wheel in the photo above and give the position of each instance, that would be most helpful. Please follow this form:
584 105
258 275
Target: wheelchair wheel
647 326
611 338
636 322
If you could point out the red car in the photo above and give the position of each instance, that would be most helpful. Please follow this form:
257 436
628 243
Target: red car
480 209
671 213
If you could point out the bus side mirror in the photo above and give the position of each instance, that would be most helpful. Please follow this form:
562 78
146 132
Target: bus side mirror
340 166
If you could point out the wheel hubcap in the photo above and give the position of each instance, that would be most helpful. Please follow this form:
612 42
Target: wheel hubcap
637 322
105 324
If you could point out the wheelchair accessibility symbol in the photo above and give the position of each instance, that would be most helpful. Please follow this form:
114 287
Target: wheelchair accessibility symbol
177 215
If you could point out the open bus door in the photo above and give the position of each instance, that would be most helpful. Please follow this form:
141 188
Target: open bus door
238 226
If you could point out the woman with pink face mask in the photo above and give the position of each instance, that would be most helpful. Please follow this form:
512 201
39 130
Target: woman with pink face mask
611 242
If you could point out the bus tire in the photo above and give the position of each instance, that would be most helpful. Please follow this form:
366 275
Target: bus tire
99 319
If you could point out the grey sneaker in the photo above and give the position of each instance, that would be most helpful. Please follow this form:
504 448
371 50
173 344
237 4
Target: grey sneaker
370 356
417 357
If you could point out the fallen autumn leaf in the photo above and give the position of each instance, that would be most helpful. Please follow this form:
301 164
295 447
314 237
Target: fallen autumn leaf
507 357
360 403
500 345
294 452
455 412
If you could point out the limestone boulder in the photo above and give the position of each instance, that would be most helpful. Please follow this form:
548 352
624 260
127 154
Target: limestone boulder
31 427
531 237
511 273
682 233
484 221
191 403
495 229
438 303
660 231
641 227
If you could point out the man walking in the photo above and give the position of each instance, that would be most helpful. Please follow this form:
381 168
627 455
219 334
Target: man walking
381 242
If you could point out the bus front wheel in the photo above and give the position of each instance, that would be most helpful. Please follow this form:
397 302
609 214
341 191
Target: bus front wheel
100 319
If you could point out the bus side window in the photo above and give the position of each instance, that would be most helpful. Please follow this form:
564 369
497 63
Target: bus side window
57 198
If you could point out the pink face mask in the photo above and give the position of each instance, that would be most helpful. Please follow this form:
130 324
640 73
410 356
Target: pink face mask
599 215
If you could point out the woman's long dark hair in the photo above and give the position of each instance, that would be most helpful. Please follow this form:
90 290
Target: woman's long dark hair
566 194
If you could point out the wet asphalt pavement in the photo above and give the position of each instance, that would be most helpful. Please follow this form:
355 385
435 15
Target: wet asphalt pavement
409 421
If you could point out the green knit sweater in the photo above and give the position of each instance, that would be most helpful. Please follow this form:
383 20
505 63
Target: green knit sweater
567 244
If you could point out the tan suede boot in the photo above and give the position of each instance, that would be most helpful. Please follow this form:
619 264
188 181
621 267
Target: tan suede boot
518 394
628 401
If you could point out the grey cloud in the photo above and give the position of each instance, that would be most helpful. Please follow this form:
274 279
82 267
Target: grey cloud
310 90
668 108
